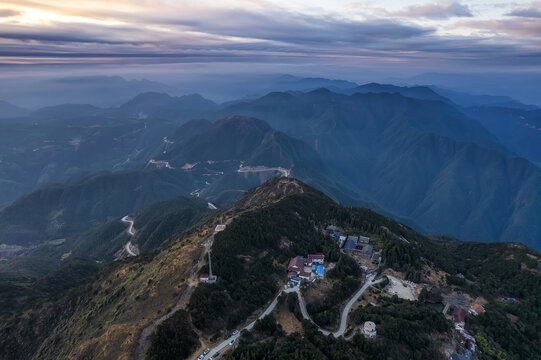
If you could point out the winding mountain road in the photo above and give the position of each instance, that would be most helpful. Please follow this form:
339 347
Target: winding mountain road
130 248
248 327
130 221
345 313
343 320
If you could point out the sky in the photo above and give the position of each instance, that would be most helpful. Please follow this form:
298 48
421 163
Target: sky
383 35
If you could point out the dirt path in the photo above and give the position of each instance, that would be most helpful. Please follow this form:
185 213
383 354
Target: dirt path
187 289
144 337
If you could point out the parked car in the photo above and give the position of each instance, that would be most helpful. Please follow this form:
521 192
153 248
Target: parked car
227 336
200 357
215 355
235 332
206 351
231 342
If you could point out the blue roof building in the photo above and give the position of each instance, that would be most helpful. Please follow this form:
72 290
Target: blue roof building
320 270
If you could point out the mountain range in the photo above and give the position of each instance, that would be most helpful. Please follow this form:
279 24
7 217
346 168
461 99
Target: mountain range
415 158
408 152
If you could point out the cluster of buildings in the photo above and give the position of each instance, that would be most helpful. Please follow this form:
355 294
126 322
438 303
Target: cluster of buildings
459 319
307 268
353 244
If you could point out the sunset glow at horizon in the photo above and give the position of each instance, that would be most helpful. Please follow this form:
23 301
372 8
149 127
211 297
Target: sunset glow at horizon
435 34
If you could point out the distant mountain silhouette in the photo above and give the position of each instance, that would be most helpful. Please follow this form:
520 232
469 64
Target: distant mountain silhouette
414 92
161 105
470 100
8 110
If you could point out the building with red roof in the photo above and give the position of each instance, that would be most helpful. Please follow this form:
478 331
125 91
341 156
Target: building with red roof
459 315
296 264
476 309
305 267
292 274
316 258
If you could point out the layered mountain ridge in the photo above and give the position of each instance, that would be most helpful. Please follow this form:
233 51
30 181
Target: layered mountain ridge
436 157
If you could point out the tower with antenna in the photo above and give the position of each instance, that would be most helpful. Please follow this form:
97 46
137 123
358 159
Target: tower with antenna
212 278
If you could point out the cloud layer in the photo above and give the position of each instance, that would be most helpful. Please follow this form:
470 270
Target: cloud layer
441 10
444 33
532 11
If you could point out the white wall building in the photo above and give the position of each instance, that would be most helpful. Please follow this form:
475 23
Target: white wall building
369 329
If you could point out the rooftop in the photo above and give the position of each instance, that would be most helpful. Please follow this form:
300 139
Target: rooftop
369 325
296 264
353 238
479 309
364 239
459 315
350 244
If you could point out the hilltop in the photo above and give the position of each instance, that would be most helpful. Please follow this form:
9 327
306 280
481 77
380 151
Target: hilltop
111 315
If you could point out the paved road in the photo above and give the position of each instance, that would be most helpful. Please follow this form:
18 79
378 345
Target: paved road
129 247
302 305
249 327
343 320
285 172
345 312
131 230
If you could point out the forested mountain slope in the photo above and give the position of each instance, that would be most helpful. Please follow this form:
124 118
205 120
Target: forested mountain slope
104 317
61 210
